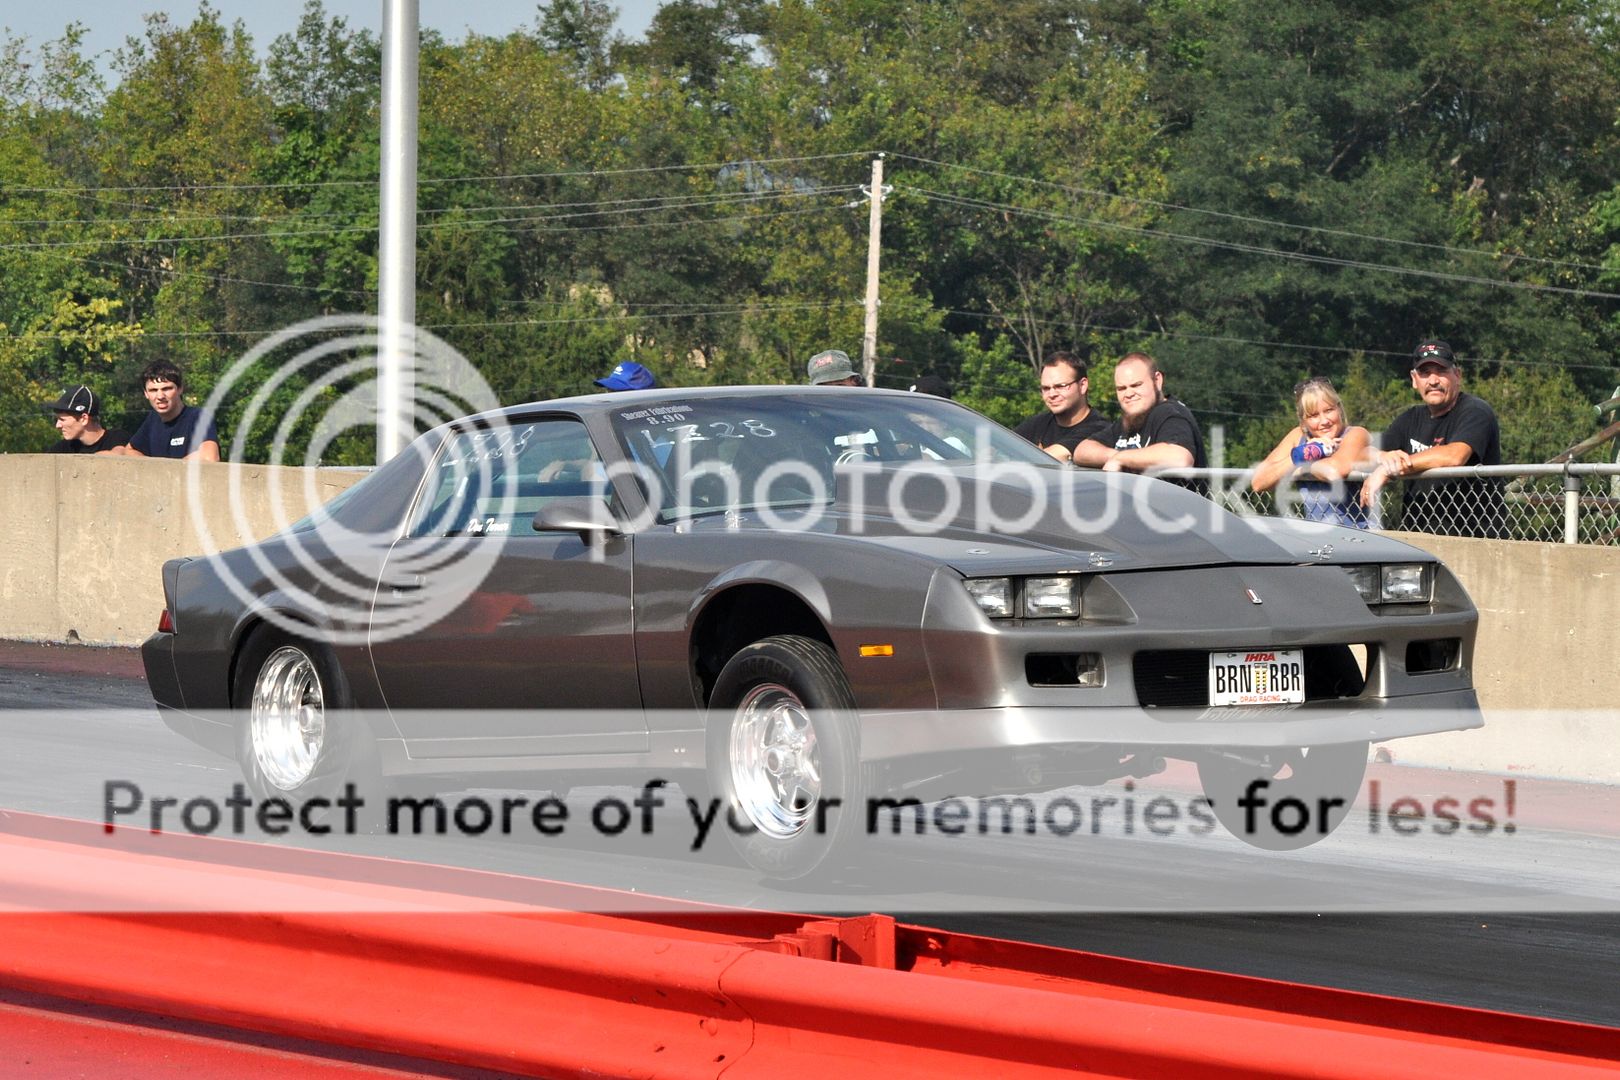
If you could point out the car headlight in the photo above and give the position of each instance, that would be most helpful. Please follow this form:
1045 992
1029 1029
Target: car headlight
1405 583
1366 581
1032 597
1394 583
1052 597
993 595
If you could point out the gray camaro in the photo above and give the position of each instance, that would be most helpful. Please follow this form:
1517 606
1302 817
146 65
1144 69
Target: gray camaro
798 601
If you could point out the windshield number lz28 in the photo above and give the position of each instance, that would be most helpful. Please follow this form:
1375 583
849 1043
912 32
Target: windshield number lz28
690 433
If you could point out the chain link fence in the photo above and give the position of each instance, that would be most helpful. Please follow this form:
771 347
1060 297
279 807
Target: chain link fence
1568 504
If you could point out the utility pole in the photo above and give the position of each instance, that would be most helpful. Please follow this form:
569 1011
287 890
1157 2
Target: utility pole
873 248
396 248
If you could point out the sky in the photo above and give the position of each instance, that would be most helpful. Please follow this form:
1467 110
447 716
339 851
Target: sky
109 22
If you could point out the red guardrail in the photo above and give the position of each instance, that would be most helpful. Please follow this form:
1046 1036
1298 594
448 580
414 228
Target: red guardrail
466 967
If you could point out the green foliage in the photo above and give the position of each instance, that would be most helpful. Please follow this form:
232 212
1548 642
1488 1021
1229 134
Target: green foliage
1541 412
989 382
697 41
1252 192
581 33
560 345
71 344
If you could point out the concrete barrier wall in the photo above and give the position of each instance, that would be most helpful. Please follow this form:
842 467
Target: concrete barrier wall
82 542
1545 663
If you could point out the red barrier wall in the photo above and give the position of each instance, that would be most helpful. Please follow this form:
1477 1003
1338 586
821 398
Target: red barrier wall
551 993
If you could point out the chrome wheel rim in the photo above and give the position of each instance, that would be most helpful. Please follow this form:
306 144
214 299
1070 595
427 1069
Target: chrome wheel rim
287 717
775 771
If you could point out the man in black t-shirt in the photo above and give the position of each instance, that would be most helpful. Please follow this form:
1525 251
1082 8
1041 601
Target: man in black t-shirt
1153 431
1068 419
1449 429
172 429
78 419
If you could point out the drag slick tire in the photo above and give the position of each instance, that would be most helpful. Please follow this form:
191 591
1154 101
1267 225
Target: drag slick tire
783 755
1284 799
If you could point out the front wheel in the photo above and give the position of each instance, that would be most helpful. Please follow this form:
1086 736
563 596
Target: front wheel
783 755
1282 800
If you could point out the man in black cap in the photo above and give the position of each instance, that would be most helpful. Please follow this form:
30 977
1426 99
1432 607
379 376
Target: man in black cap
1449 429
78 419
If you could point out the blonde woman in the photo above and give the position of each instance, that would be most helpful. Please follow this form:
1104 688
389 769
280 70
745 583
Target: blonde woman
1317 456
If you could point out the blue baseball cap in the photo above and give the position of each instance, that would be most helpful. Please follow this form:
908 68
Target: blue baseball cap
629 376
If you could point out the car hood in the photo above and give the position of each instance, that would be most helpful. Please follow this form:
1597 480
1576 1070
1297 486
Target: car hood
1067 520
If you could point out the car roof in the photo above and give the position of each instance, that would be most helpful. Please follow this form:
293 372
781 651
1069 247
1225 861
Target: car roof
608 400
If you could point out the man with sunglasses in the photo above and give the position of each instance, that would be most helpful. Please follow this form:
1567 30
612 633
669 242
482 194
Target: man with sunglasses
1449 429
1068 418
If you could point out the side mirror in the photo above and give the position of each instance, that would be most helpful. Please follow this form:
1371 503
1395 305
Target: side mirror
587 515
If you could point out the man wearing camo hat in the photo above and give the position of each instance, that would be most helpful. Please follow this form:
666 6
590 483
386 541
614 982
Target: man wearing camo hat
832 368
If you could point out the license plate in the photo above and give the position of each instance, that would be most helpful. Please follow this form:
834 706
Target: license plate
1259 677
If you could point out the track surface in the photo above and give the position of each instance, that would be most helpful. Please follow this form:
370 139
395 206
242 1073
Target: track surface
1530 926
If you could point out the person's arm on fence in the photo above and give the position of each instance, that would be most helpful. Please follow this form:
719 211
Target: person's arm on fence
1348 456
1278 464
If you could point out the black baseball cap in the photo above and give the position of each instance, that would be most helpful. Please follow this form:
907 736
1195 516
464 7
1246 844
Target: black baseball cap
79 401
931 384
1433 351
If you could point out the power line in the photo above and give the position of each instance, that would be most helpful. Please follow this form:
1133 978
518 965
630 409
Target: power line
1345 349
51 335
1251 249
619 206
740 219
1253 220
224 279
470 225
750 198
428 181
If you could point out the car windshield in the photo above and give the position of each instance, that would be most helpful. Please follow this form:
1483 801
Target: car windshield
711 454
330 509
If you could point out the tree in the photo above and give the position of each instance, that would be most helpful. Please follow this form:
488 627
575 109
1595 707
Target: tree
76 342
1333 188
582 33
698 41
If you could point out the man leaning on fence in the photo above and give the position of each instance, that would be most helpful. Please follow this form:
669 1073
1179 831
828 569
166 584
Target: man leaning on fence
1154 430
1068 419
1449 429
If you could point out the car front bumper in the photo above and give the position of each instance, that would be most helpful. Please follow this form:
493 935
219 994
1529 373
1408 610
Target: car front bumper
903 733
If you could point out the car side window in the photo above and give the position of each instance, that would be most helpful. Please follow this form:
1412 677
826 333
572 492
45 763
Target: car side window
490 481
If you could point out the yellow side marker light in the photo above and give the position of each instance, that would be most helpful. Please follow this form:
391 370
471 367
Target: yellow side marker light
877 650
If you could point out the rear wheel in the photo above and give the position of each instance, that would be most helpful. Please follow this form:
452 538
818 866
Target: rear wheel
297 737
1284 799
783 753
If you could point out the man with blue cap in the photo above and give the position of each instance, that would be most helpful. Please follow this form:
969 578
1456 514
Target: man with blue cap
629 375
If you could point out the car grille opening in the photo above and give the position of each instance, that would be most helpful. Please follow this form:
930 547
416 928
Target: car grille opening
1439 654
1179 678
1063 669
